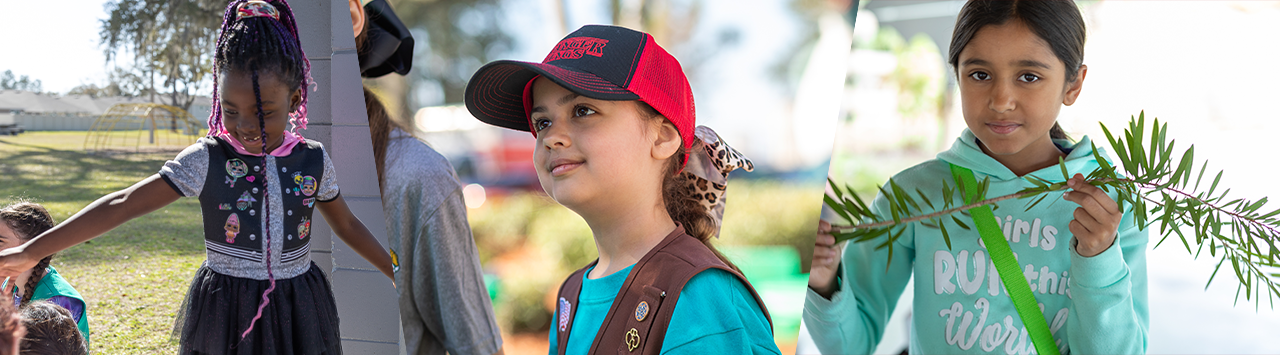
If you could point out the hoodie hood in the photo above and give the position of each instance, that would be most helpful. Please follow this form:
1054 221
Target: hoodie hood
965 152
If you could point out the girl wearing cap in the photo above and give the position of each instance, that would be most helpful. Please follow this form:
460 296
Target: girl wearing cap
1083 259
614 121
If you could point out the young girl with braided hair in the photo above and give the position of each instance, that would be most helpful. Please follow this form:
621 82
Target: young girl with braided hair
613 116
258 291
19 222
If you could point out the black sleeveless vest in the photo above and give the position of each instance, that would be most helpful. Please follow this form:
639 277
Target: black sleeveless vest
235 192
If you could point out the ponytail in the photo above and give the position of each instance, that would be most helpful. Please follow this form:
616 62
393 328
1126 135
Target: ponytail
380 127
1057 133
685 209
678 197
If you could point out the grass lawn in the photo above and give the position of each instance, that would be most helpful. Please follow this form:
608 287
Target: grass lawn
133 278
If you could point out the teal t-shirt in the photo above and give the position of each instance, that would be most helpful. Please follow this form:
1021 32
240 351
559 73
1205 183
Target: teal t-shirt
715 314
53 285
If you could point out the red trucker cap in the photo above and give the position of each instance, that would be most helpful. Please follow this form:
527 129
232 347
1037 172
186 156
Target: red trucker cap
596 61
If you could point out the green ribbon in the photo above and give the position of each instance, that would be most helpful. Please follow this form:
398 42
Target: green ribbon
1015 284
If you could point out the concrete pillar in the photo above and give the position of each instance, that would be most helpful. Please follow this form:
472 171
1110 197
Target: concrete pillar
367 303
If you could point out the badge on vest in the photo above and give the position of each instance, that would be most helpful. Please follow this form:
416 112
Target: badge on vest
304 228
245 201
306 184
232 227
237 169
642 310
632 339
564 314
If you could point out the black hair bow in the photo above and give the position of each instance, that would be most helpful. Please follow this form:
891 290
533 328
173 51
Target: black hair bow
388 46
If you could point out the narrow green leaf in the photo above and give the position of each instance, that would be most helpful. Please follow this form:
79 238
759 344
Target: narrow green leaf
1062 164
945 237
925 198
962 225
1214 185
1033 204
835 188
1182 173
1203 167
839 208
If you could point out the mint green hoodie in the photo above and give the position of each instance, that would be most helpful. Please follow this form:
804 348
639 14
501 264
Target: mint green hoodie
1094 305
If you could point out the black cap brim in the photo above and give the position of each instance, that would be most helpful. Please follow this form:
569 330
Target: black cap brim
495 94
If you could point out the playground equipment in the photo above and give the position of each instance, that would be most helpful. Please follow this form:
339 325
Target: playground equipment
123 125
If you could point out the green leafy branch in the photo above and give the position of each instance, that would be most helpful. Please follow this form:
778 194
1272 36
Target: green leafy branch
1237 231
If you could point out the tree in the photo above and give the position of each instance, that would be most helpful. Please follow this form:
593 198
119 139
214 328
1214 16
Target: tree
171 41
8 81
459 37
120 82
462 35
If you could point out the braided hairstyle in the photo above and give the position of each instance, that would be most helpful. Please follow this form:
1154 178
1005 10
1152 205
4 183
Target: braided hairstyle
29 220
254 45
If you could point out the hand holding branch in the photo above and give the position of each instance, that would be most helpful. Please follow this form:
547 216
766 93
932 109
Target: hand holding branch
826 261
1096 220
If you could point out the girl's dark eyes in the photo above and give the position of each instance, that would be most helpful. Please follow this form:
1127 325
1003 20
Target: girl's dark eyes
234 113
540 124
1026 78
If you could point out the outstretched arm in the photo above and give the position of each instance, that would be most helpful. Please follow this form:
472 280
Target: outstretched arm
99 217
352 231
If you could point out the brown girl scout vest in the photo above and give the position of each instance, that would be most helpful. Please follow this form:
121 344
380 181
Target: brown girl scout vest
235 190
637 322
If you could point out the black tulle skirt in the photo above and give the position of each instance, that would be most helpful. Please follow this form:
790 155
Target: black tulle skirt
301 318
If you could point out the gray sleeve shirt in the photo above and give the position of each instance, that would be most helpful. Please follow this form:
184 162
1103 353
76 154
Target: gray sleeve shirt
444 305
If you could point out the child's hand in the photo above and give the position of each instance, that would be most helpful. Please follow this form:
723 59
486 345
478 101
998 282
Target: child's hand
1097 219
14 261
826 260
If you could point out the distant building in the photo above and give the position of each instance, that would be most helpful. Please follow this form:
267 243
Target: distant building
43 112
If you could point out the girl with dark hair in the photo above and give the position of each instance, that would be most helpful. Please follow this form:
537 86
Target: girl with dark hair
21 222
1078 283
444 305
51 330
613 115
258 291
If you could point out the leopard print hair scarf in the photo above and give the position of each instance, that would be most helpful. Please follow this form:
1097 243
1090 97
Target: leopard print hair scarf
707 172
